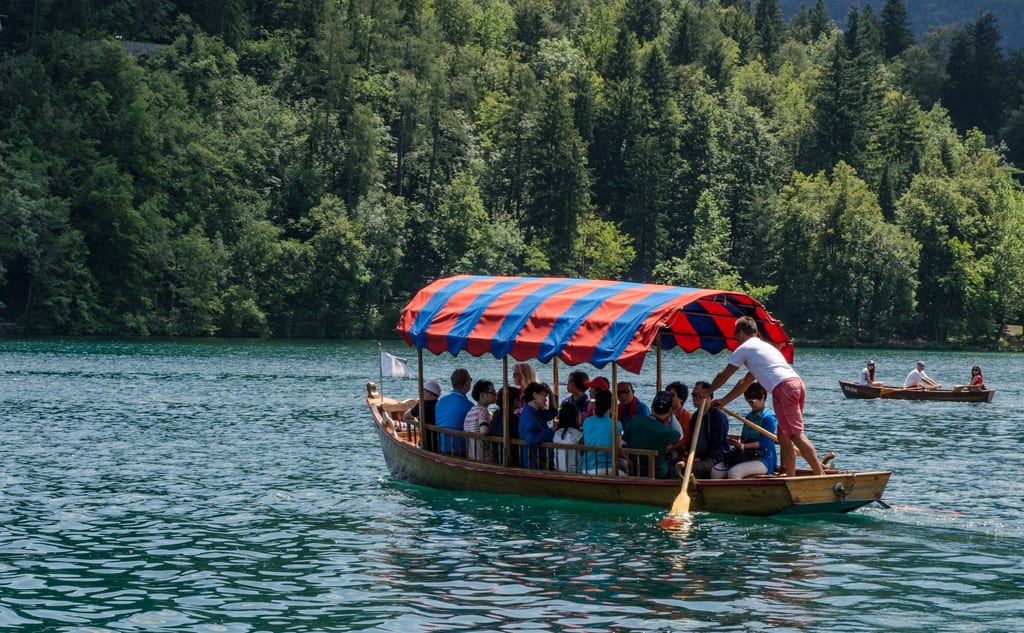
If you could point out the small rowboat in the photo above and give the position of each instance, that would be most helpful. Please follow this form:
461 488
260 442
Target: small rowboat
597 322
957 394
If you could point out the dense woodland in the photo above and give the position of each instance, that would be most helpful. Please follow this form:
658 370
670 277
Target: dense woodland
925 14
299 168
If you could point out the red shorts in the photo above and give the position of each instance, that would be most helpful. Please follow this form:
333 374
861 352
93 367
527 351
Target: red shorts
788 402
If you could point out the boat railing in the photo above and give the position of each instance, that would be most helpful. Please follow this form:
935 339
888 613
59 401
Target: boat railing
549 456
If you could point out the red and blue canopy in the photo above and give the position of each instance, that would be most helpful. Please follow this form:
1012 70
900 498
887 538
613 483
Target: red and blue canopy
577 320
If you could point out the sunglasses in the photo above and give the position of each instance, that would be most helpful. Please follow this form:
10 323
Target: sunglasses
623 391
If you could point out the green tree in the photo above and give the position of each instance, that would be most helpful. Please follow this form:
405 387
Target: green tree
838 260
558 182
706 262
770 28
601 250
974 94
896 32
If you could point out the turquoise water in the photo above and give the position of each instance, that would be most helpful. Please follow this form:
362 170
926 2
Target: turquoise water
238 486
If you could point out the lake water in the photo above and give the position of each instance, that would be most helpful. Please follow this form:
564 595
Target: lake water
158 485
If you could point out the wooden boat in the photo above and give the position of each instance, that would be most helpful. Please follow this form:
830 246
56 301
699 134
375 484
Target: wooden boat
597 322
960 393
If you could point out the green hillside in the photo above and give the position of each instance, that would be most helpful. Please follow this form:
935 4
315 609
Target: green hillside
299 168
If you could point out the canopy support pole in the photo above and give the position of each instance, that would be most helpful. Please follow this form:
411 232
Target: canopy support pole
554 378
419 379
506 438
615 420
657 348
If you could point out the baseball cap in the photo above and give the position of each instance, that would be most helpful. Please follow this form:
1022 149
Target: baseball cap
662 402
433 387
598 383
921 363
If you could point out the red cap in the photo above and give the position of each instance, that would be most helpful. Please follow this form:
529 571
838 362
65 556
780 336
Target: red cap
598 383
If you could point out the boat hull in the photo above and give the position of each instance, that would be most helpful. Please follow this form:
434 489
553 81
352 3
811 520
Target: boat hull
965 394
838 492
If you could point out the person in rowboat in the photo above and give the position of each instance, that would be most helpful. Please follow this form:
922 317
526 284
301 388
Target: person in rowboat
976 379
596 386
451 412
651 432
576 385
917 379
428 400
629 405
680 420
597 431
760 458
713 439
867 375
768 366
533 426
478 420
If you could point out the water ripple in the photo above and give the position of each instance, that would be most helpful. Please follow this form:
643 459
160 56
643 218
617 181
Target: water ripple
219 486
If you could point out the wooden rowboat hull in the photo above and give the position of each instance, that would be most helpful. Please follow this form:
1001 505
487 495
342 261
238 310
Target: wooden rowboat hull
965 394
838 492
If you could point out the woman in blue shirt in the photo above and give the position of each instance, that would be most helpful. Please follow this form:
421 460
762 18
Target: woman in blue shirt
533 424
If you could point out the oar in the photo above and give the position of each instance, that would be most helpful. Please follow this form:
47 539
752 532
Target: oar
763 431
681 505
760 429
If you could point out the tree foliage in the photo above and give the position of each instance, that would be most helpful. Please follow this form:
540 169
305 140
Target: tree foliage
296 168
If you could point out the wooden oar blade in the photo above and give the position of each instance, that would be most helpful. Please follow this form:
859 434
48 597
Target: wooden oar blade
681 505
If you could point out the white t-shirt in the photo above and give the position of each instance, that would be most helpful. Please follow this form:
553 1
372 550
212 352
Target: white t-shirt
568 461
914 378
865 377
764 361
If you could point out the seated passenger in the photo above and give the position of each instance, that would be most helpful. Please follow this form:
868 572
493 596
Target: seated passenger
867 375
754 452
629 405
567 431
451 413
651 432
498 425
478 420
713 439
533 428
576 385
428 398
597 431
681 419
522 375
976 380
595 386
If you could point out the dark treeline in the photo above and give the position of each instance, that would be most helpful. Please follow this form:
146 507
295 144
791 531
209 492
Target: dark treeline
299 168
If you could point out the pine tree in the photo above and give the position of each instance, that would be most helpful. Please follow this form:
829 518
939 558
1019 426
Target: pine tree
896 28
770 27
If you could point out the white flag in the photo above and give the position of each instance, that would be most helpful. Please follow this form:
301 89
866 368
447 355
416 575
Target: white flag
393 366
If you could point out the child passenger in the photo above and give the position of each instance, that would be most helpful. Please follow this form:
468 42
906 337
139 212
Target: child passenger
568 432
754 453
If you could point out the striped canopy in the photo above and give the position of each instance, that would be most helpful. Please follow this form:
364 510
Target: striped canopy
577 320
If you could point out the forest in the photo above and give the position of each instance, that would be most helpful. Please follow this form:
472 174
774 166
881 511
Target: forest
299 168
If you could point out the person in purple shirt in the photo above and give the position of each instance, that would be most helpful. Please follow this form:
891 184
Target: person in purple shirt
451 411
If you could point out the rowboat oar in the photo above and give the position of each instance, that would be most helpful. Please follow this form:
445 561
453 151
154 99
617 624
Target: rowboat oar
681 506
765 432
760 429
